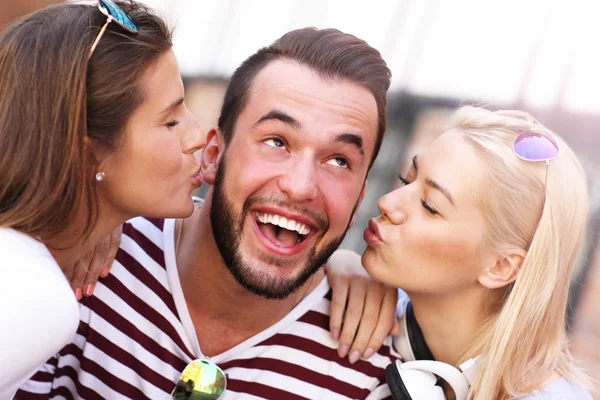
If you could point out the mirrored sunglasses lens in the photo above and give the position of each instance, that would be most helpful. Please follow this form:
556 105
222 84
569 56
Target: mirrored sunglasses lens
535 146
119 15
201 380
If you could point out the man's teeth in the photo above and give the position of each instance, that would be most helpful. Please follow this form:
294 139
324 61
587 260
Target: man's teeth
283 222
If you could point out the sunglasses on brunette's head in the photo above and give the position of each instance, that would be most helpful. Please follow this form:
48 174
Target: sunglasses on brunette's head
113 13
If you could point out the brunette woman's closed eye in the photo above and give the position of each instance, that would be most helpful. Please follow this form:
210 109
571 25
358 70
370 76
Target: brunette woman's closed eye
172 124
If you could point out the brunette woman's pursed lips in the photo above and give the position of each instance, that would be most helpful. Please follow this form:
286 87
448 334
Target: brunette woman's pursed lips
197 177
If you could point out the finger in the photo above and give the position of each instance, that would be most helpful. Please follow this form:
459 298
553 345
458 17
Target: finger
369 321
115 242
95 266
339 298
353 314
395 327
68 271
385 324
78 277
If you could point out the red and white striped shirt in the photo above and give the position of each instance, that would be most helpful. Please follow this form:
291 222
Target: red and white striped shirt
136 336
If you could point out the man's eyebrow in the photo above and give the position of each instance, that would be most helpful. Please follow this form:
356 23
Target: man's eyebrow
434 184
351 138
172 106
280 116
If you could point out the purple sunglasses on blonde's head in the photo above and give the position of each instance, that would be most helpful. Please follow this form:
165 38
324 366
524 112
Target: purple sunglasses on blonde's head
536 145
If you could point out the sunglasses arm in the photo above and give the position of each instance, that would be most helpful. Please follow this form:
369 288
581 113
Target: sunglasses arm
100 34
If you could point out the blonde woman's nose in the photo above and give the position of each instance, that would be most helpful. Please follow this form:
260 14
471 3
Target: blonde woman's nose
390 206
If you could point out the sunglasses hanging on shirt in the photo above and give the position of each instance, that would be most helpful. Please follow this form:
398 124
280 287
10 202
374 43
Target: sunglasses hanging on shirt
200 380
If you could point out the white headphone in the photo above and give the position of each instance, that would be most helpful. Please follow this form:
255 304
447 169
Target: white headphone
416 377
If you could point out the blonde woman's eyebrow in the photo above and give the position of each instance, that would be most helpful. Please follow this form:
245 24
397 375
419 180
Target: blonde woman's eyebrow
434 184
442 189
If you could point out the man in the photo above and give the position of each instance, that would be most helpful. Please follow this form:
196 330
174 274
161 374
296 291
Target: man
240 281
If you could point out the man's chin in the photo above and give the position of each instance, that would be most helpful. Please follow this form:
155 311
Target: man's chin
276 277
269 285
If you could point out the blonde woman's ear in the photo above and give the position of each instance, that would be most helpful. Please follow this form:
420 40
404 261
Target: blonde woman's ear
503 272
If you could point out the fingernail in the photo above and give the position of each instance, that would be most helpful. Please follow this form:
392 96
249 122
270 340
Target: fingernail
343 350
78 294
104 272
368 353
89 289
354 356
335 333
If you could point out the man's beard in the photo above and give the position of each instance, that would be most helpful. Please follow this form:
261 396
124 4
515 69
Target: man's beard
227 233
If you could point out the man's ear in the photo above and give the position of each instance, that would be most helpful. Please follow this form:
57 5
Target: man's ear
210 155
503 271
360 199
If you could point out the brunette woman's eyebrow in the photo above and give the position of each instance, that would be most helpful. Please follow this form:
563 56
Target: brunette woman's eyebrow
172 106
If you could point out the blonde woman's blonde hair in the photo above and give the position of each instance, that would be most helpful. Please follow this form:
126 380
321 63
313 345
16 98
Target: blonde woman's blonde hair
524 343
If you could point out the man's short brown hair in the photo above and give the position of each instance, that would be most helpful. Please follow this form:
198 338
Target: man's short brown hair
329 52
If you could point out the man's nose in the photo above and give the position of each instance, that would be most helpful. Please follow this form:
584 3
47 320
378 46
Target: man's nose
299 182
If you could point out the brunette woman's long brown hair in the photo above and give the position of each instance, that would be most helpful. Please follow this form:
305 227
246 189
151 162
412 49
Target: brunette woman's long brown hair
60 111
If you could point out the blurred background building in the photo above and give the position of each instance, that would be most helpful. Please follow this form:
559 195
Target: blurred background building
541 56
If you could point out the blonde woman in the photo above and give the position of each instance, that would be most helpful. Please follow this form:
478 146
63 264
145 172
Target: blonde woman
483 236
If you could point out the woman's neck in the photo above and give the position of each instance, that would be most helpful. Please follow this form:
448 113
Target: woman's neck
450 323
71 245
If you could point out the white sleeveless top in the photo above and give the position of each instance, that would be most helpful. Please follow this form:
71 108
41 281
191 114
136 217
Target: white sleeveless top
38 310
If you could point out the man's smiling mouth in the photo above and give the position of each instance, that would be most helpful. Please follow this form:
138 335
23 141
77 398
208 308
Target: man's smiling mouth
282 231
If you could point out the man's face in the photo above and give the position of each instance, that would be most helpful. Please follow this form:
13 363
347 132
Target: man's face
290 180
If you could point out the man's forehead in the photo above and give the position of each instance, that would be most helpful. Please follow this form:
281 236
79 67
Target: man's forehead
283 74
282 71
286 83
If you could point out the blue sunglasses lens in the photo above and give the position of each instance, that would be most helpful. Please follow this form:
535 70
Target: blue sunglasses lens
535 145
118 15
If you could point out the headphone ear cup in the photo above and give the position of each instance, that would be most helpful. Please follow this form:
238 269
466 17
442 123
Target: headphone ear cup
394 381
420 384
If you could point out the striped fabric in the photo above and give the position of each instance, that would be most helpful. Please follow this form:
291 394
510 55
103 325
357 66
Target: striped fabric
135 337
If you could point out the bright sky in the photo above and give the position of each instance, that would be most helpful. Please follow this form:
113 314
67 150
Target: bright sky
542 52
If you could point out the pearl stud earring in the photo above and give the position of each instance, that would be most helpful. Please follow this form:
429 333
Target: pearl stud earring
100 176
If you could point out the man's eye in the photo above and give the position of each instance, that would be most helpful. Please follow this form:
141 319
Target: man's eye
338 162
274 142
